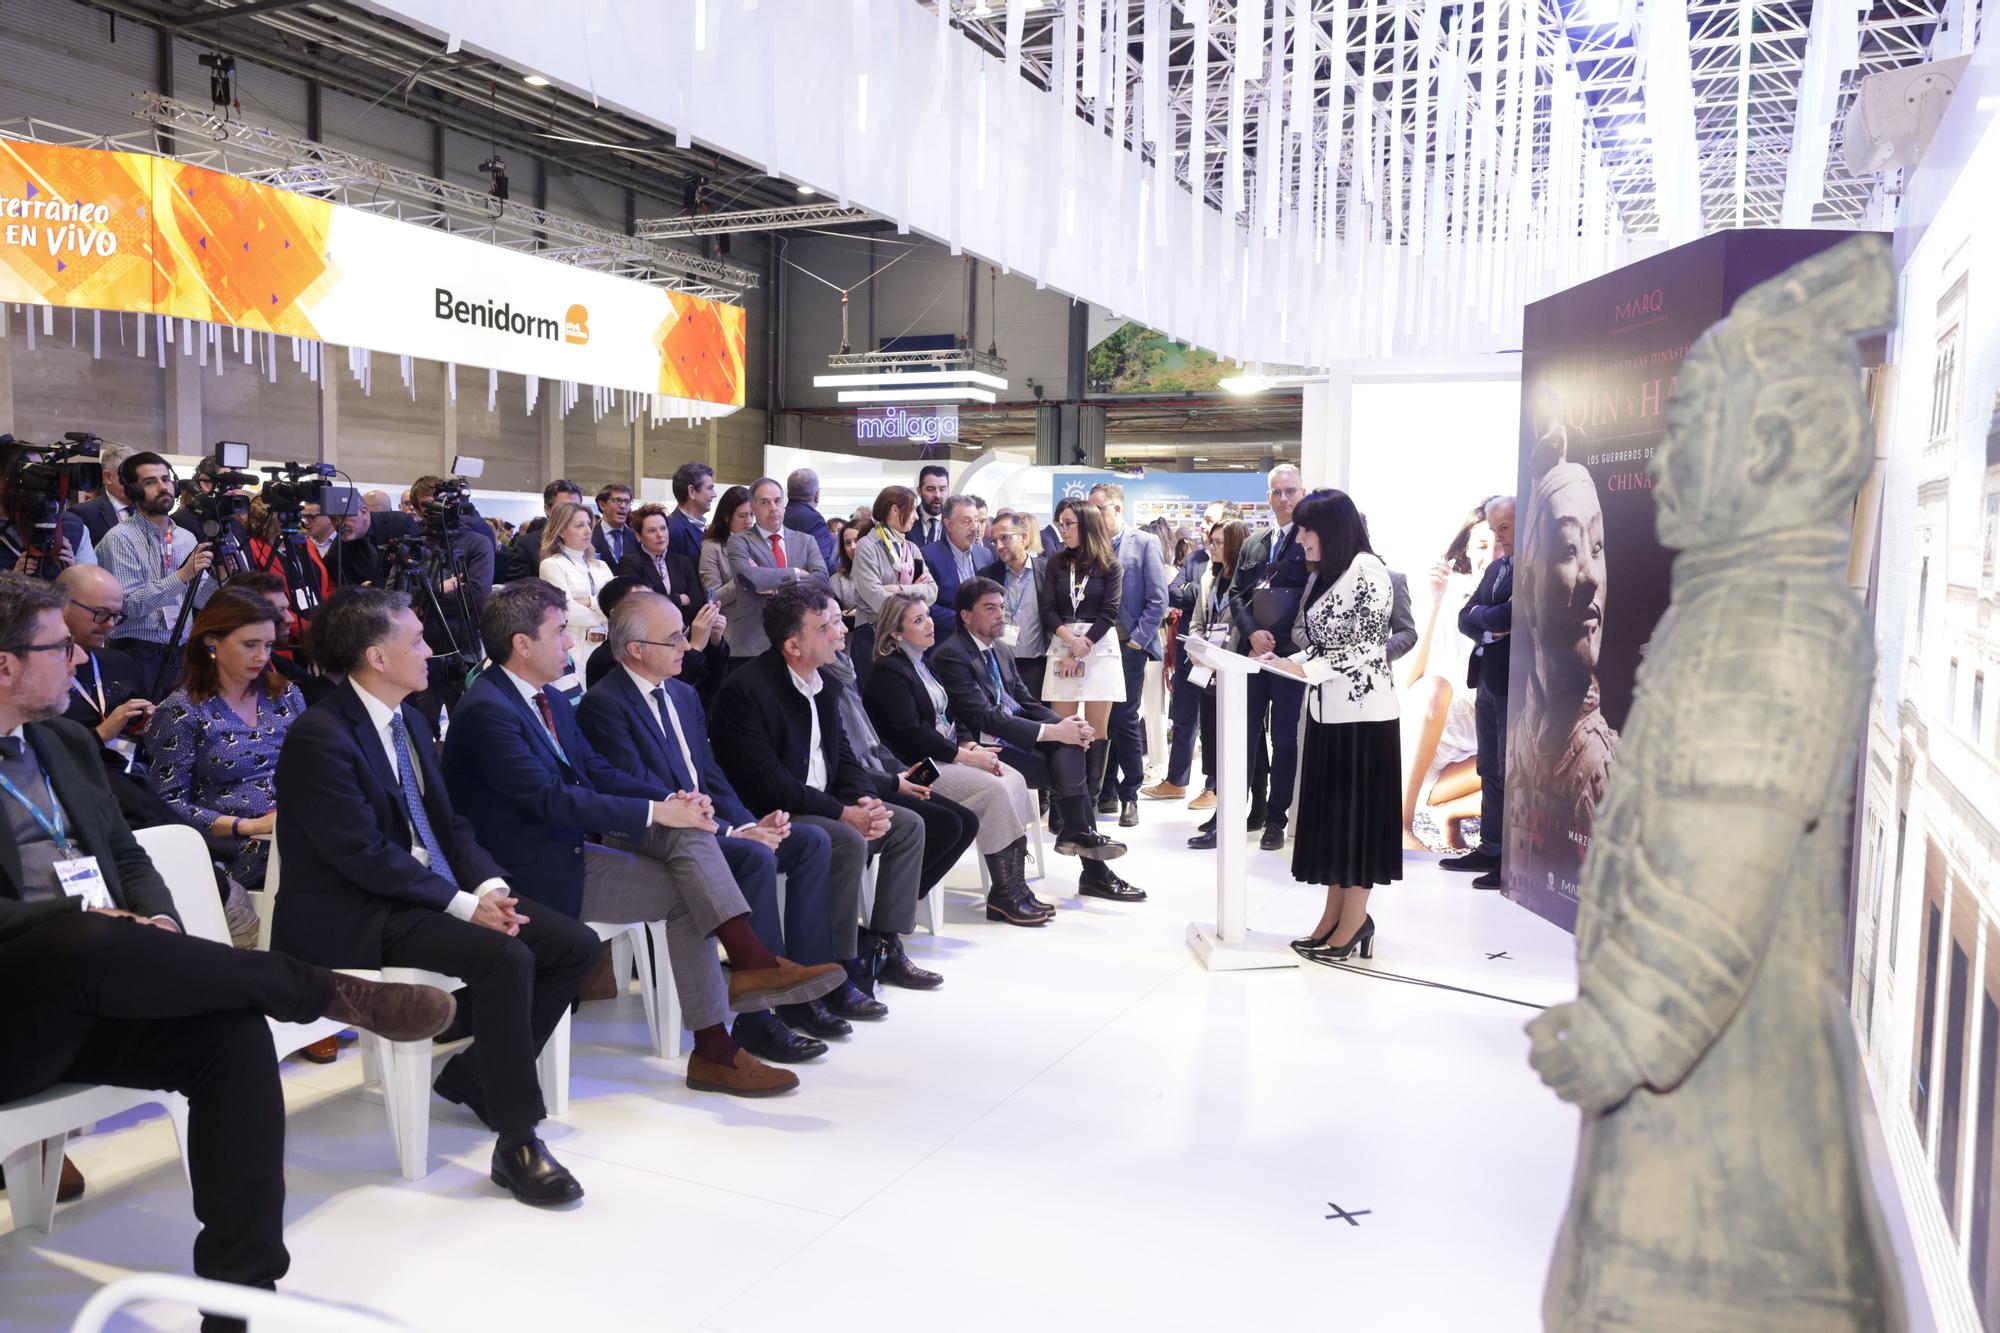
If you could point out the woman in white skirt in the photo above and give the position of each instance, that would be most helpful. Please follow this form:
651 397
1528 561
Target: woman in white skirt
571 564
912 715
1080 593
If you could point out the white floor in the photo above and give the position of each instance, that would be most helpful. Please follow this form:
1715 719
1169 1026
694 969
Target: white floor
1082 1129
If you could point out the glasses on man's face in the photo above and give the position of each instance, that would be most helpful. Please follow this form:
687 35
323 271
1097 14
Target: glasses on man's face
100 615
678 641
63 645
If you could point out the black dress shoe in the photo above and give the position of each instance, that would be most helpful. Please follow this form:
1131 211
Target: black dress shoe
1203 842
1474 862
1090 845
1273 839
765 1036
1128 814
849 1002
1107 805
1108 885
896 969
813 1016
1490 880
531 1175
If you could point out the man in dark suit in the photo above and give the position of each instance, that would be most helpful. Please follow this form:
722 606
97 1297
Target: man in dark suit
694 496
989 703
110 507
613 536
524 557
655 565
1264 601
1141 608
778 731
648 724
933 485
957 556
381 871
802 511
1487 618
99 985
536 789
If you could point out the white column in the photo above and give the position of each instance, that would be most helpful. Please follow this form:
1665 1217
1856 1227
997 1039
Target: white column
1325 417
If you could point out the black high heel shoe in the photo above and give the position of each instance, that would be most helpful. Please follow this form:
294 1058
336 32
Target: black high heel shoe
1362 943
1307 943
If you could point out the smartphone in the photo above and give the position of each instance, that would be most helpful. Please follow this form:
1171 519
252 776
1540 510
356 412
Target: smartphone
925 773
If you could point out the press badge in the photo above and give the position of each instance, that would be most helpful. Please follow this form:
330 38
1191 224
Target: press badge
80 878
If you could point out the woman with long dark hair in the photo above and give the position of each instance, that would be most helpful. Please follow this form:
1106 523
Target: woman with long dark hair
733 514
1211 621
1350 830
886 563
1079 596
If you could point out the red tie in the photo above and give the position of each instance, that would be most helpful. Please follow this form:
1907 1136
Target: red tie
548 718
778 548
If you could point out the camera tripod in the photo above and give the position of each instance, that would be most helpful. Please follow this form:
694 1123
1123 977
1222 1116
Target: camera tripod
228 560
422 565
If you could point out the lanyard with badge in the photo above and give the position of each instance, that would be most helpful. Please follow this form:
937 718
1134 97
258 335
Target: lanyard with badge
1014 590
899 555
126 748
78 875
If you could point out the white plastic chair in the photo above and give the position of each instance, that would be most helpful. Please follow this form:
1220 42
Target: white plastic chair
629 943
34 1131
266 1311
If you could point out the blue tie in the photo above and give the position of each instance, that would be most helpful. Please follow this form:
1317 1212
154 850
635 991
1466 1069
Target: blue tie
1000 695
420 820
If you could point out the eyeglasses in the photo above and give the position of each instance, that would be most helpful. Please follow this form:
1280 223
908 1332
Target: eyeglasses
99 615
63 646
678 641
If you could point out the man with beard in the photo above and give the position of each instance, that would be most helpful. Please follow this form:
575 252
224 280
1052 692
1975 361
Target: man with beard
933 485
155 560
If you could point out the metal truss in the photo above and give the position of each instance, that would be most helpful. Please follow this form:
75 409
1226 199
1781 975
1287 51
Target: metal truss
826 214
306 166
1747 57
947 358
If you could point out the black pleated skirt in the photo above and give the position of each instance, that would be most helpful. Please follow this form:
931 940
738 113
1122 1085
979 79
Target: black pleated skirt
1349 824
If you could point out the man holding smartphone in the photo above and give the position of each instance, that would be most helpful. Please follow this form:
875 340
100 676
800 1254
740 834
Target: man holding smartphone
155 561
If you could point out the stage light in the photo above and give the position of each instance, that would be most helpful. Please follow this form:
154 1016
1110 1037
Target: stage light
534 81
941 395
807 189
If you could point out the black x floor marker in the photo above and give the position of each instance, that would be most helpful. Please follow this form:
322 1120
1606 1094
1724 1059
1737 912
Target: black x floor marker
1502 954
1346 1216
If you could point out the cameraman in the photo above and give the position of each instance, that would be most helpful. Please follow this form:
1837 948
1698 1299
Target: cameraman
155 560
357 556
17 542
204 484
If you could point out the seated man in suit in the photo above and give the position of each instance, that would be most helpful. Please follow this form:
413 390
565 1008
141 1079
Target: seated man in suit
955 557
108 691
535 789
99 985
989 702
379 870
649 725
781 742
673 576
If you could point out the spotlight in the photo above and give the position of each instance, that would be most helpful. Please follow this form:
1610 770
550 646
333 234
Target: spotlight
807 189
534 81
497 169
221 70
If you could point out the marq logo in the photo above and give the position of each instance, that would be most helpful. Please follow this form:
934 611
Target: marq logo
1646 303
503 317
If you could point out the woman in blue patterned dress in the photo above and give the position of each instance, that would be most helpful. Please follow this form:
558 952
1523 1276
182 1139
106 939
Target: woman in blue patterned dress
214 741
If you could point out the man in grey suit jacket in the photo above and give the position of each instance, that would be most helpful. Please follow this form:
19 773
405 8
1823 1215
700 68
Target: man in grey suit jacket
1139 616
768 557
1402 624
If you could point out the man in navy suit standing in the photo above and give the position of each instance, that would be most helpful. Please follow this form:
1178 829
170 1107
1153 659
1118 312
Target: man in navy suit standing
536 790
955 558
1488 620
1140 612
802 512
649 724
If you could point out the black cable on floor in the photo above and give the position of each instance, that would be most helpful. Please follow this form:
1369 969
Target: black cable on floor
1420 981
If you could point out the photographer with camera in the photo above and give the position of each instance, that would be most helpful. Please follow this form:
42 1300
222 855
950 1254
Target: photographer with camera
216 495
37 485
358 556
156 561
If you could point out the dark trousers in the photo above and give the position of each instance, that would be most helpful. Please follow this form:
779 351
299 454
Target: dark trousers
1275 701
97 999
1489 718
1128 732
1032 670
1209 762
517 988
1056 769
861 652
949 828
152 657
804 934
1184 720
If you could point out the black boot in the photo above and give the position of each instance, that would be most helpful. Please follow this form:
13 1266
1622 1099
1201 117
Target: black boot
1079 835
1019 853
1097 881
896 969
1096 763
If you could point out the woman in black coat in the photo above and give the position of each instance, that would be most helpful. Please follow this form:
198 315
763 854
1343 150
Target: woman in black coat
911 713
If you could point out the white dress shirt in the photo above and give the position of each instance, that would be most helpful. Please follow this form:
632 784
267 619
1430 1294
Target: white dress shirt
462 904
815 756
986 646
672 722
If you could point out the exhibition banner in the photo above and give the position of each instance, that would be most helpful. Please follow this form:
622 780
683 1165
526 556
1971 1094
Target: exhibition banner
1599 364
1178 497
104 230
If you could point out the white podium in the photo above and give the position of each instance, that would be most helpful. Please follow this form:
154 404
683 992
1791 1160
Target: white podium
1226 945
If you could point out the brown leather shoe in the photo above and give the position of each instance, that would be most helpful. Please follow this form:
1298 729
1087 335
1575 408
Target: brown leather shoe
1163 791
787 983
322 1052
748 1077
391 1010
600 984
1205 801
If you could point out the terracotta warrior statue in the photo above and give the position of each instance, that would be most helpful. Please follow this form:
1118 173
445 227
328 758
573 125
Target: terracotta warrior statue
1719 1182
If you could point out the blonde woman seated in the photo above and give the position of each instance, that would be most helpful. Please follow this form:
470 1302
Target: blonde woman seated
571 564
912 715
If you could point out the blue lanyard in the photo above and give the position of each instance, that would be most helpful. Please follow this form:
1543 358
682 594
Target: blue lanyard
52 823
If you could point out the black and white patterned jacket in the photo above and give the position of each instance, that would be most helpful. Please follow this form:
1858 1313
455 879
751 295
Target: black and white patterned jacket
1345 655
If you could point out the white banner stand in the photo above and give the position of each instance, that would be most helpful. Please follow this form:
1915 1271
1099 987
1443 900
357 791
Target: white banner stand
1226 945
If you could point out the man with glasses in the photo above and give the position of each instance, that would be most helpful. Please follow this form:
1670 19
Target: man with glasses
613 536
107 692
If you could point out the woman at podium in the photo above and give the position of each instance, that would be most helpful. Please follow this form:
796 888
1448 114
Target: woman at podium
1350 830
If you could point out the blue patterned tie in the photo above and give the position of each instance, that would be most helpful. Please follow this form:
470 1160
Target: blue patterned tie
420 819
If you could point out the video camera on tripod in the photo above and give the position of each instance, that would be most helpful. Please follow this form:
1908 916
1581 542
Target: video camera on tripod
429 566
41 482
217 511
